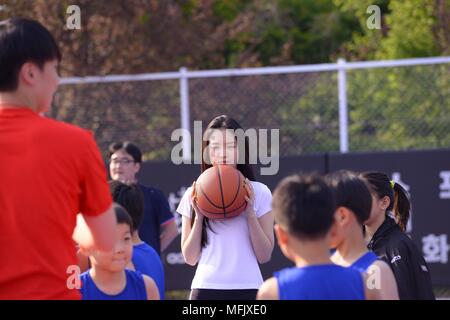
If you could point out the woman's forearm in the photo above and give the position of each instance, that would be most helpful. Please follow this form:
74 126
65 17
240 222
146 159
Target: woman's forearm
191 246
261 242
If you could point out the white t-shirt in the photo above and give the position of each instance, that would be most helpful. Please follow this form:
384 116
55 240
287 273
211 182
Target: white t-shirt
228 260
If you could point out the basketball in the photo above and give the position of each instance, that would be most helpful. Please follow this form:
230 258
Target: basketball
220 192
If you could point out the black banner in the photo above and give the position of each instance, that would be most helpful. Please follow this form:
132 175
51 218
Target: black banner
426 175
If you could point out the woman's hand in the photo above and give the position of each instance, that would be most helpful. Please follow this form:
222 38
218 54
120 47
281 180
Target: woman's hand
198 214
250 198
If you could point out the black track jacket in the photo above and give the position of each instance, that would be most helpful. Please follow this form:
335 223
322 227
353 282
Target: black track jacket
410 269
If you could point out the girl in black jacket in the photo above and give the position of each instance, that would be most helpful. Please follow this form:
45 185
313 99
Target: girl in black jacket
386 237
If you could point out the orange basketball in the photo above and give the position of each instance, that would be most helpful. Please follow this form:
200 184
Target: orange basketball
220 192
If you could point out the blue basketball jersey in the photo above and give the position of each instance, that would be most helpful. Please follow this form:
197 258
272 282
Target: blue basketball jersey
320 282
147 261
134 289
364 262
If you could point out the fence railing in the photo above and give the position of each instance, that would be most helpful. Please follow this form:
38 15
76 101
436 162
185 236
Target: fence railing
308 100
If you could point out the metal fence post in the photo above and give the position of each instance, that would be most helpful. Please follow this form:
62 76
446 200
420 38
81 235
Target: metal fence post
343 112
185 115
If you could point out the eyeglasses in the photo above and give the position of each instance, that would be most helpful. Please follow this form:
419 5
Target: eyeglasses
121 161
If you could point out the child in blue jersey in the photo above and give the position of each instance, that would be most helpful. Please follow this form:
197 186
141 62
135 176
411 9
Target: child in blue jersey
303 207
145 259
108 279
353 205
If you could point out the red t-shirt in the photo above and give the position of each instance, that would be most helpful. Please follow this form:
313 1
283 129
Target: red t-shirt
49 171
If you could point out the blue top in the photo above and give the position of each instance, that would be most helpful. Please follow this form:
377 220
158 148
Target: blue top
156 213
146 260
320 282
134 289
364 262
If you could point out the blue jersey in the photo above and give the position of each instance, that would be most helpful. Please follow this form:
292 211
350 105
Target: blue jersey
134 289
146 260
320 282
364 262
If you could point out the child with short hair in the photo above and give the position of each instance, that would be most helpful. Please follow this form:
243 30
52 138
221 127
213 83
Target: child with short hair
304 207
108 279
145 259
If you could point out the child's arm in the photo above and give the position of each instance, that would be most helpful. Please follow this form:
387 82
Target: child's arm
151 288
96 232
379 282
268 290
169 231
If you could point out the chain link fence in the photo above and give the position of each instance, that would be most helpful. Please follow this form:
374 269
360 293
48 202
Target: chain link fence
144 112
302 106
399 108
388 107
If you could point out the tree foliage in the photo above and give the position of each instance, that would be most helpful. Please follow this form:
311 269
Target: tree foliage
397 108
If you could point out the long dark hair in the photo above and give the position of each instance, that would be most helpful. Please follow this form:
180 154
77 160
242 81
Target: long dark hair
399 204
223 122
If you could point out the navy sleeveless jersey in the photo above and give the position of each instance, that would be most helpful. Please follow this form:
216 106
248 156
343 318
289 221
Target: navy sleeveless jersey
320 282
134 289
364 262
147 261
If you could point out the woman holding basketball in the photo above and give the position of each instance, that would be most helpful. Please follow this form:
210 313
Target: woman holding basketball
227 251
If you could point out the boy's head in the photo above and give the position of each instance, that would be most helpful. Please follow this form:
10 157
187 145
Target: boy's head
353 203
125 161
118 259
29 58
303 206
131 198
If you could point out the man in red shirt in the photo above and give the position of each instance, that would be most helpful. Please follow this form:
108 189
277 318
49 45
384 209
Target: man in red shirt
49 172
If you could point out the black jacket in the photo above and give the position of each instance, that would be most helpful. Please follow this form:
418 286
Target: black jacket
410 269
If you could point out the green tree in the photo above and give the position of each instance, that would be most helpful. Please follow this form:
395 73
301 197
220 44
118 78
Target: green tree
415 28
